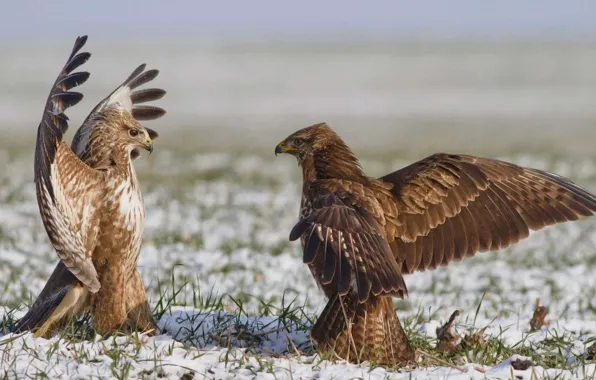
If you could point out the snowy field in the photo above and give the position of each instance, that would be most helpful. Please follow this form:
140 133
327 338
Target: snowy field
231 294
234 299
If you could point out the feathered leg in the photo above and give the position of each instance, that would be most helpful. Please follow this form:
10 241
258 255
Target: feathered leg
137 307
360 332
109 309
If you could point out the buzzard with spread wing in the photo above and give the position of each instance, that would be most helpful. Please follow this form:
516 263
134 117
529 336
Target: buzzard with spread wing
91 203
360 235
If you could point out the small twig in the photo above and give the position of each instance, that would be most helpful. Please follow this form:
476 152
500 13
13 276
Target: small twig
147 332
440 361
349 328
272 353
229 335
145 335
292 344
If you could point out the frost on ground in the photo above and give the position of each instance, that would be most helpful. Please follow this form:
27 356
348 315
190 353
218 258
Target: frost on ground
233 298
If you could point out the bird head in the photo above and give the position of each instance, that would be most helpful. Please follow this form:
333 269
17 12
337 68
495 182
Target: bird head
129 131
308 141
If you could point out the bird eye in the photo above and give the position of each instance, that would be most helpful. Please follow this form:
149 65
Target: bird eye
133 132
298 142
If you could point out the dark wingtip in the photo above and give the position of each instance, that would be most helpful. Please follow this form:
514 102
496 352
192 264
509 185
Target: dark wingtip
147 95
147 112
73 80
298 229
141 78
79 43
587 198
135 73
152 133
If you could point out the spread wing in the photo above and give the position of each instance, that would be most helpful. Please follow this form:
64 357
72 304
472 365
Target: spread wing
69 193
128 97
345 245
447 207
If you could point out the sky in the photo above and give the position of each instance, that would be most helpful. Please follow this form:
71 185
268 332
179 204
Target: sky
477 19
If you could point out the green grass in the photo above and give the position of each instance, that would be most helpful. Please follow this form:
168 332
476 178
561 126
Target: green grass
220 251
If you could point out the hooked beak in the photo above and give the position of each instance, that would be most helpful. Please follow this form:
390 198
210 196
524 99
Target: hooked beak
282 148
149 145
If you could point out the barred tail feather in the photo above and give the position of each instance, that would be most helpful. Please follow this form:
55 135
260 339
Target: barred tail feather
359 332
54 312
49 298
40 312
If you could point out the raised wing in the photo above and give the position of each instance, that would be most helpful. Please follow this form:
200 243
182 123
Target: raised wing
447 207
69 193
128 97
345 245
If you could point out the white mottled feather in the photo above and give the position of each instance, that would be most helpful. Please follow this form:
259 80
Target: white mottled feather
121 97
129 212
68 225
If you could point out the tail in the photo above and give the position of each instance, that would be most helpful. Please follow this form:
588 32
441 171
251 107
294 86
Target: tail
49 298
62 299
73 302
53 312
358 332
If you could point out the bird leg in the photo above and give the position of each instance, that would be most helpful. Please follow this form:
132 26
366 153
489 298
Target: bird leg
108 306
139 313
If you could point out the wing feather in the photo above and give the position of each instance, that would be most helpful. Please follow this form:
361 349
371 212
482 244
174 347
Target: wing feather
72 80
147 95
147 112
69 193
128 97
345 245
452 206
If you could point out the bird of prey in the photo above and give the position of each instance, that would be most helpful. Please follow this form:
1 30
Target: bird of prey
91 203
361 235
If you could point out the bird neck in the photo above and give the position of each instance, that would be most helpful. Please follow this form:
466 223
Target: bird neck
337 162
102 149
120 157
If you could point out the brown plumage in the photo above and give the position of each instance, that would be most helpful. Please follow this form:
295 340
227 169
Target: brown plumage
361 234
91 204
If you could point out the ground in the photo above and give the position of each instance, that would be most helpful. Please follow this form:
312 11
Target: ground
233 298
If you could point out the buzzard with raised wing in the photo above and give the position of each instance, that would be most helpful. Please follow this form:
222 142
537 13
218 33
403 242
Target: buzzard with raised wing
91 203
360 235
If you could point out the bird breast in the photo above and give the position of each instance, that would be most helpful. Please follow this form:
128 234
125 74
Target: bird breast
130 208
128 217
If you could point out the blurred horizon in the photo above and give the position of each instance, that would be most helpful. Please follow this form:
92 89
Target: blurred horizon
427 19
399 77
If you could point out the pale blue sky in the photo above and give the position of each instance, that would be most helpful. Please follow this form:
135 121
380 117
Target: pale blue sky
35 19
